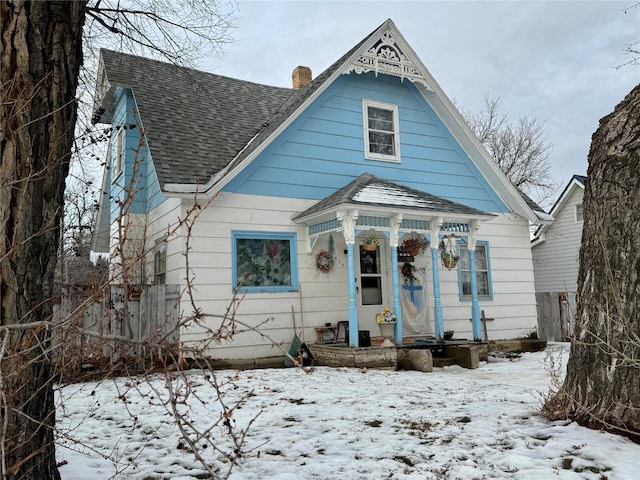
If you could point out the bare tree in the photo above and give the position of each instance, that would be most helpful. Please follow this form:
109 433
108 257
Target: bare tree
633 48
41 57
602 386
520 149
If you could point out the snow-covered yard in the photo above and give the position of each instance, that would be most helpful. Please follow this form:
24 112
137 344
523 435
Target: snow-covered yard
344 423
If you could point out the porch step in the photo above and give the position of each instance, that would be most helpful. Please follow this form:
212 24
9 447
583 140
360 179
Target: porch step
443 361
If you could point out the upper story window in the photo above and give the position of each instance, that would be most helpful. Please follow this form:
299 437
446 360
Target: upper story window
483 272
381 132
118 154
579 213
264 261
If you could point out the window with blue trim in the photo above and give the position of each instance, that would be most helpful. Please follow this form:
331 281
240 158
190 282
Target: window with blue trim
483 272
264 262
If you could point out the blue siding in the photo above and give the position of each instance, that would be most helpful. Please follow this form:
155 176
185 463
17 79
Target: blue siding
141 179
323 149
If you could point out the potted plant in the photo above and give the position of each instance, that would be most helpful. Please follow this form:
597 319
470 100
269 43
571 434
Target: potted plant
449 259
386 320
415 246
408 271
370 243
448 255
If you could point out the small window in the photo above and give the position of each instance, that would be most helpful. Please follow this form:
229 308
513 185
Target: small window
483 274
579 213
160 266
264 262
381 133
117 160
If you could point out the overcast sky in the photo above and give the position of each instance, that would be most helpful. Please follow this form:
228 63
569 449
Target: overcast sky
552 60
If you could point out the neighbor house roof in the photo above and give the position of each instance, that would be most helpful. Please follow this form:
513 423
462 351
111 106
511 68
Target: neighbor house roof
577 181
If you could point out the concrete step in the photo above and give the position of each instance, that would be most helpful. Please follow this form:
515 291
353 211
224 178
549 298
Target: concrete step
443 361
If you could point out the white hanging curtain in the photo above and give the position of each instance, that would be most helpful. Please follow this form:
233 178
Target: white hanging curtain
415 311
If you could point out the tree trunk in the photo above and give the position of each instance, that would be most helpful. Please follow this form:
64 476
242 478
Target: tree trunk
602 385
41 55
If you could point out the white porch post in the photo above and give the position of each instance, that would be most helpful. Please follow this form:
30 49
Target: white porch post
348 221
475 307
396 220
437 305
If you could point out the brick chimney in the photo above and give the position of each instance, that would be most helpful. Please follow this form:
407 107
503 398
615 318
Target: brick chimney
300 76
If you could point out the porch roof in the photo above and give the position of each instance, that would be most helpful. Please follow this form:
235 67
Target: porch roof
370 195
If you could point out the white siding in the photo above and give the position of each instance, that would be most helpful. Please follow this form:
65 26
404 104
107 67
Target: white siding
556 259
325 296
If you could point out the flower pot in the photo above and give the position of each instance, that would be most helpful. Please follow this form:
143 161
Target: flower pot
414 252
369 247
386 332
450 262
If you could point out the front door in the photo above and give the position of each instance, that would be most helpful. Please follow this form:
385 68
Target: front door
371 284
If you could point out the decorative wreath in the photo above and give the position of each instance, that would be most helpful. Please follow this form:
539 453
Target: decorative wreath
324 261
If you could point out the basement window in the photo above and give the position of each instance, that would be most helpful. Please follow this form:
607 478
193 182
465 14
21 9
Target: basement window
381 131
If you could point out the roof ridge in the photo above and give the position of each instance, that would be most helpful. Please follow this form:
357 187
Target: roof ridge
189 69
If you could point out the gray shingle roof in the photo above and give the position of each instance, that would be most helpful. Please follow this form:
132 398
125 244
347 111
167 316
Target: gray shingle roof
533 205
196 122
371 191
298 98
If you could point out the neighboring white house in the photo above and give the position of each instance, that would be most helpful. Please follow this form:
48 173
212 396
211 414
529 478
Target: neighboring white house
295 180
555 251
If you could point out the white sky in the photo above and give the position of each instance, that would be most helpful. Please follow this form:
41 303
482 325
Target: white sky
551 60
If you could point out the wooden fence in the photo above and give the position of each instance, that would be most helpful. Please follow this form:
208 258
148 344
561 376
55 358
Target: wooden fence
136 324
556 311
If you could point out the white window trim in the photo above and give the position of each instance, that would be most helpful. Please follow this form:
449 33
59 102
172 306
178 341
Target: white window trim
118 158
396 130
576 206
484 244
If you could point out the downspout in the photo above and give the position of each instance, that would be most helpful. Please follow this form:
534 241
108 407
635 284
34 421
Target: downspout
348 221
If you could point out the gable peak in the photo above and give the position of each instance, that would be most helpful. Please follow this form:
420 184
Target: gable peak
387 52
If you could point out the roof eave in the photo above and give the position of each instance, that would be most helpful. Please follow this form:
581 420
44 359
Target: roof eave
388 211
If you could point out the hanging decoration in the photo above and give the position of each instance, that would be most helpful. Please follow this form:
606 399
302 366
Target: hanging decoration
448 253
325 259
415 246
409 273
370 243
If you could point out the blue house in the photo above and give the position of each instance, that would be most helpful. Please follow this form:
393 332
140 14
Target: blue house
291 185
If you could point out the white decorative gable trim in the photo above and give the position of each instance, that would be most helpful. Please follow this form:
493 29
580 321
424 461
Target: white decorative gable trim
385 56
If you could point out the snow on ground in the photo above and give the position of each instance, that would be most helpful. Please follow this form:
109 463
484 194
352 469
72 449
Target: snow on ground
344 423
